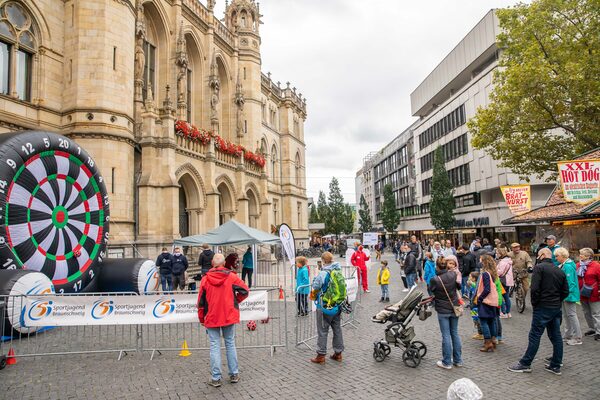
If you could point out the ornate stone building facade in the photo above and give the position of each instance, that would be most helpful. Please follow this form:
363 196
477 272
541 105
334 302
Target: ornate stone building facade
130 80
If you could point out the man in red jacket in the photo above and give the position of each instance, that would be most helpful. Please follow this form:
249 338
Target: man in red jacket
219 296
359 260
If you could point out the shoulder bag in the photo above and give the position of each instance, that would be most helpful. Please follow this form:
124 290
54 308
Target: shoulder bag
458 310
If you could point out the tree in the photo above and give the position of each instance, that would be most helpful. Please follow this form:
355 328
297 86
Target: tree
390 217
336 208
545 105
441 206
314 215
364 216
323 209
347 225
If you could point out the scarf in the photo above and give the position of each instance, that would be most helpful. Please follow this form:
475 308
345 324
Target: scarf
583 267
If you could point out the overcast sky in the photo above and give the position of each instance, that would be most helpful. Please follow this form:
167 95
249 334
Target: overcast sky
356 62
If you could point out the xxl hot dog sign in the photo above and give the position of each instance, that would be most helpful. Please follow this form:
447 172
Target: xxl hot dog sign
580 180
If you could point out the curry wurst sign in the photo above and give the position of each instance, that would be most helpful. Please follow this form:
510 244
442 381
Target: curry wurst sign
580 180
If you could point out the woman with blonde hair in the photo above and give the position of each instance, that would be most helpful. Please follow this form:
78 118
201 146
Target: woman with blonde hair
572 333
487 301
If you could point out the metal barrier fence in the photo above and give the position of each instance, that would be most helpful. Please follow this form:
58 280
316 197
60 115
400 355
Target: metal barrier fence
123 339
306 325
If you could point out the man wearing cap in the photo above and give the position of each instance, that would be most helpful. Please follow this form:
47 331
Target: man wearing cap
551 242
522 264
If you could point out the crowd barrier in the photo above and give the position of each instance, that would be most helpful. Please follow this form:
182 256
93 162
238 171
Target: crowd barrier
306 325
83 335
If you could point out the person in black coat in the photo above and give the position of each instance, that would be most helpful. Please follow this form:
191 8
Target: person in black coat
410 266
205 259
469 264
549 288
164 264
444 289
179 266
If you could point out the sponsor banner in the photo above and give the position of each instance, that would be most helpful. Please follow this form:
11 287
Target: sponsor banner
127 310
352 288
518 198
370 238
580 180
288 243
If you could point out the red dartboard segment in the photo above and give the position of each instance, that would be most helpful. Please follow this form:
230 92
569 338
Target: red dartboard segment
55 219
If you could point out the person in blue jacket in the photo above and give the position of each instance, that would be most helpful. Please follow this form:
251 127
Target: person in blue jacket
302 286
248 266
429 271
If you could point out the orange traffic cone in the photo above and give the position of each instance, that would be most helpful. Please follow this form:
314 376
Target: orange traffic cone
281 297
184 350
11 359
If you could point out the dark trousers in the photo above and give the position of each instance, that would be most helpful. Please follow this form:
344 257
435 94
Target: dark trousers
405 282
166 280
179 281
302 303
545 319
247 272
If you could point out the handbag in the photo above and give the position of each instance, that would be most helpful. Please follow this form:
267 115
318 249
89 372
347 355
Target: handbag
586 290
458 310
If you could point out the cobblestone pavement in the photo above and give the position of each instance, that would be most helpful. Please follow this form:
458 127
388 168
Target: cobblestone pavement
289 374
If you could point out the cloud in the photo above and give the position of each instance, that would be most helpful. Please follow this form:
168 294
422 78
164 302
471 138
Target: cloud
357 62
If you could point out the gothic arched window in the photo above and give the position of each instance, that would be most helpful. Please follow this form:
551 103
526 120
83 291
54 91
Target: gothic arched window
17 48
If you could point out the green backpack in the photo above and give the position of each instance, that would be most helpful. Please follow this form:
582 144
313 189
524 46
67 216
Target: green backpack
335 291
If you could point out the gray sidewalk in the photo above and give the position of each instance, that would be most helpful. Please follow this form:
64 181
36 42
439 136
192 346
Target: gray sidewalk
290 375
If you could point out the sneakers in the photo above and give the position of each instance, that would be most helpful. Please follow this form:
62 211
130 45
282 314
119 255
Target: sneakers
381 300
234 378
553 370
367 291
519 368
214 383
502 315
591 332
549 360
574 342
477 336
597 336
405 290
442 365
458 365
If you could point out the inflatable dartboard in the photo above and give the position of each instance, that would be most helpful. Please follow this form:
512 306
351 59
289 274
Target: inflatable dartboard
53 209
16 284
137 275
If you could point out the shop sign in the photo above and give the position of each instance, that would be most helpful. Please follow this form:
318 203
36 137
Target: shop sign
505 229
580 180
481 221
518 198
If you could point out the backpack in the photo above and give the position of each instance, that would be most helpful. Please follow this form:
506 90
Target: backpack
333 292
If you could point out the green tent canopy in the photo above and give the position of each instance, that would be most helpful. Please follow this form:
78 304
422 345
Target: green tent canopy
230 233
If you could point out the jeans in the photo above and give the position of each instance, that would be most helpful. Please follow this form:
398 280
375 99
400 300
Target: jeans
451 345
591 311
323 324
302 303
506 300
247 272
498 327
488 327
572 328
385 291
410 279
214 335
166 280
550 319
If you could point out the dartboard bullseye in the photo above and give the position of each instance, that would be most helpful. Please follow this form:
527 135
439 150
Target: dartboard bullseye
53 209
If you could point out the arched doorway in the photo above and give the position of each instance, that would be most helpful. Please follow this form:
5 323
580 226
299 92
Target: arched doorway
184 221
190 203
226 203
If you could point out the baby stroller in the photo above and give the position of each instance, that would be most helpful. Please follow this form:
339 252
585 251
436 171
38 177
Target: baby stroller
398 333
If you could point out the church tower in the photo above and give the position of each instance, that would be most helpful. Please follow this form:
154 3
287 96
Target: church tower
243 18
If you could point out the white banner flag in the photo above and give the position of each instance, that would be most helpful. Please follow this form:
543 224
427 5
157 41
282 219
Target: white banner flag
352 288
57 310
288 243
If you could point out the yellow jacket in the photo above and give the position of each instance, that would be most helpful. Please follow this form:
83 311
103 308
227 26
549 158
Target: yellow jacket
383 276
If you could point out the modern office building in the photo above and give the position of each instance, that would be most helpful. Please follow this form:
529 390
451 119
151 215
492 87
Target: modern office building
443 102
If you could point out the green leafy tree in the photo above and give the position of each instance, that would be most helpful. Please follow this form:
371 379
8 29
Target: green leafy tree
545 105
323 210
441 206
390 216
314 215
364 216
336 208
348 220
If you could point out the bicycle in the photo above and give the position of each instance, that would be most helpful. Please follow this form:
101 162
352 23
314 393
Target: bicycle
519 291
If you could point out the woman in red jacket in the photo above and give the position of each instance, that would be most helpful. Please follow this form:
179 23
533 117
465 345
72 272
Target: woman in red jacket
359 260
588 274
221 291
